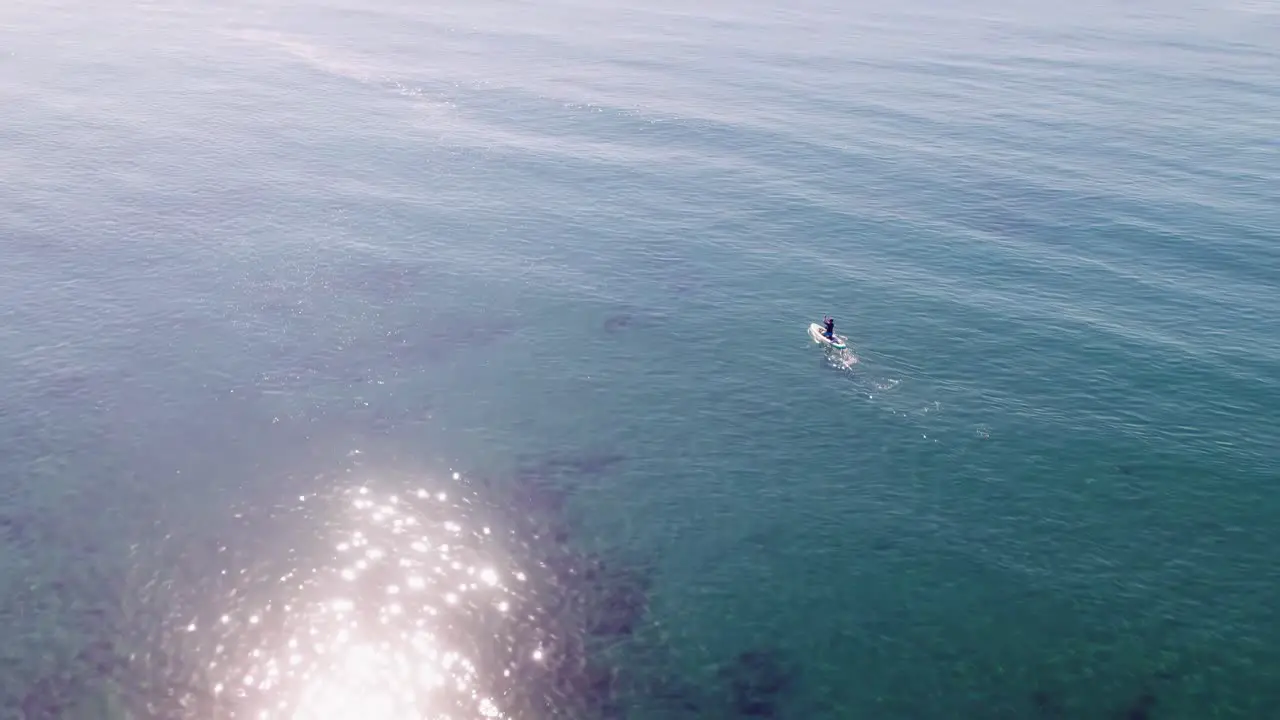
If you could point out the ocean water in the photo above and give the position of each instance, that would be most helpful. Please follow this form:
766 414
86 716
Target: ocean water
387 360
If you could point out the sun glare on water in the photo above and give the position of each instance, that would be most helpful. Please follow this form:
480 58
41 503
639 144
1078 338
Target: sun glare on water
396 626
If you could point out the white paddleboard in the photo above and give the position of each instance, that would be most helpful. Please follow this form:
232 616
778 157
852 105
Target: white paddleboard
815 332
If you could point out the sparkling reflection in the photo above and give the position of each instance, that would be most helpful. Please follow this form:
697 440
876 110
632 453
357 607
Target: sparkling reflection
414 610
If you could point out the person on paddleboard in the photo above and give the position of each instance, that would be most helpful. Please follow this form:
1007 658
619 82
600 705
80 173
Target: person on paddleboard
830 332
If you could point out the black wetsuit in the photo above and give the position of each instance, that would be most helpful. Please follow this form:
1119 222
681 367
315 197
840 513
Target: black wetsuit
831 329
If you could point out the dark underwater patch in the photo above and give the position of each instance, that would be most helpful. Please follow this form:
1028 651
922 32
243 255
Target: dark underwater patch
438 338
571 466
538 491
618 322
1045 704
16 528
758 682
625 320
1141 707
619 597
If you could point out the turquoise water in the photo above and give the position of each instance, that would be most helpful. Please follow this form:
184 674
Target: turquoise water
271 270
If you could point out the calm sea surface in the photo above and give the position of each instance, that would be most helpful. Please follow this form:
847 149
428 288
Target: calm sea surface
390 360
